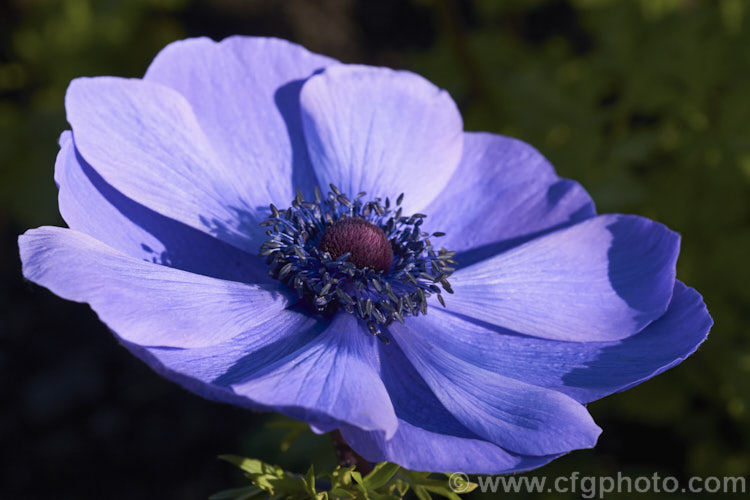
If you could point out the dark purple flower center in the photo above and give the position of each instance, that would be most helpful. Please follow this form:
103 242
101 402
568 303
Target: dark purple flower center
366 244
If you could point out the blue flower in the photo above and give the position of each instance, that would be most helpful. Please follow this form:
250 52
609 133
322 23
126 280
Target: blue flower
264 226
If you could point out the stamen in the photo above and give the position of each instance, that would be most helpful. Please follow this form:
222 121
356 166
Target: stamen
361 256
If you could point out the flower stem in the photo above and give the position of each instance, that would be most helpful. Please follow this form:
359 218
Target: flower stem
347 456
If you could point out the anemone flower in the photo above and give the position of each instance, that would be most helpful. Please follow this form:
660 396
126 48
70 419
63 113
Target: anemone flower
270 228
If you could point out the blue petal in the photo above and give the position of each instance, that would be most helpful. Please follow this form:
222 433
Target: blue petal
90 205
663 344
145 141
585 371
238 358
322 373
517 416
245 94
503 193
145 303
203 370
381 131
418 449
603 279
444 444
335 374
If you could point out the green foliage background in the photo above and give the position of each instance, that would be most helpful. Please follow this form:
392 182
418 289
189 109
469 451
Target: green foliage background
646 103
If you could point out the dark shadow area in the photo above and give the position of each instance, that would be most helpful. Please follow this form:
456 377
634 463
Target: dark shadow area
287 100
261 361
659 347
185 248
641 266
555 193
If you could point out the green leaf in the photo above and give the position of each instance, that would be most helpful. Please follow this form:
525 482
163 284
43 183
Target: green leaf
310 482
374 495
341 493
398 486
421 493
341 477
271 478
443 491
423 485
357 476
387 481
237 493
251 465
380 475
360 485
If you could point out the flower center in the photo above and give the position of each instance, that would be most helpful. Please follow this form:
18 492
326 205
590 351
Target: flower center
363 257
365 243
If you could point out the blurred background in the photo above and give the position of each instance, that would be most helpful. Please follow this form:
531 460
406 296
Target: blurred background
646 103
